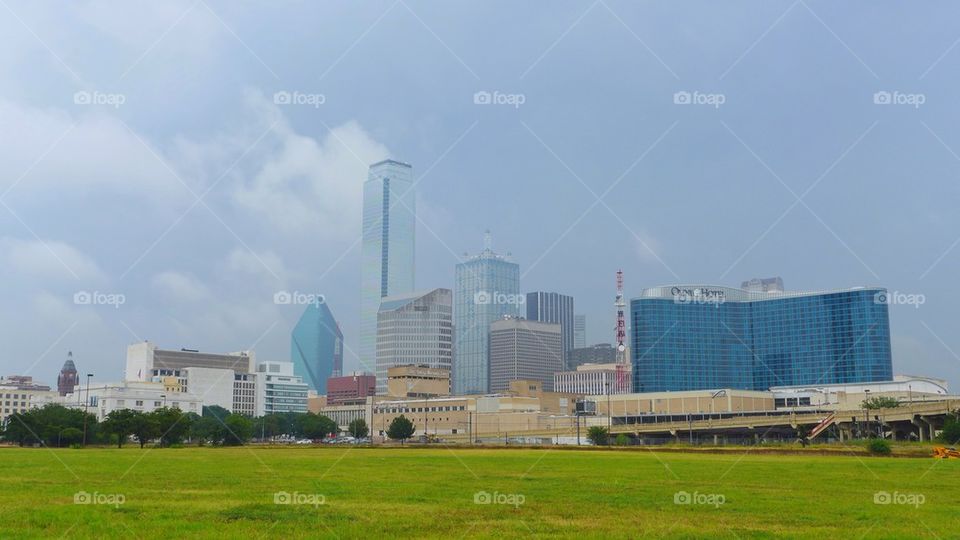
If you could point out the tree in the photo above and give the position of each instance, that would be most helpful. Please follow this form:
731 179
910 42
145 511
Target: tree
144 428
622 440
951 430
358 428
120 423
70 436
400 429
880 402
237 430
172 425
204 429
598 435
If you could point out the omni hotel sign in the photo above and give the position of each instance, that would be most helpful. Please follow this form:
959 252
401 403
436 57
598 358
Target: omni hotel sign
700 295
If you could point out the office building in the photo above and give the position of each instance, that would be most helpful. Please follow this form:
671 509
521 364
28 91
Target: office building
601 353
487 290
694 337
524 350
68 377
550 307
145 361
387 248
414 328
592 380
356 386
579 331
417 382
279 390
145 397
19 394
316 346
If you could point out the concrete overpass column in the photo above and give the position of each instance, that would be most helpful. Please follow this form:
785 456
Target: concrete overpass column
917 421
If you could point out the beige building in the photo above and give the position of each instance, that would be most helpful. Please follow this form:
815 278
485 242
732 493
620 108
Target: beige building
693 401
417 381
592 380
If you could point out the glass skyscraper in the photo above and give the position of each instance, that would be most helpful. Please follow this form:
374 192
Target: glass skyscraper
579 331
487 289
387 251
697 337
414 328
316 347
551 307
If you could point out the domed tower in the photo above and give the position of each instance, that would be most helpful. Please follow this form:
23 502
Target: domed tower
68 377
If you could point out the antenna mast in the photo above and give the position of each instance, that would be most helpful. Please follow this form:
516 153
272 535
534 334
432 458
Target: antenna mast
622 382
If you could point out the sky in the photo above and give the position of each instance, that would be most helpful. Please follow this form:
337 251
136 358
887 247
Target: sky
168 168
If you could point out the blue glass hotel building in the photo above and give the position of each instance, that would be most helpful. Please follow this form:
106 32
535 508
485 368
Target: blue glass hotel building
698 337
316 347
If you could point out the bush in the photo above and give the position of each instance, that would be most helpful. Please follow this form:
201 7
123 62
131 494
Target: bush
879 447
598 435
622 440
951 431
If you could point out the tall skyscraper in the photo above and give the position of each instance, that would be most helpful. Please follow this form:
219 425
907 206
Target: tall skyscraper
579 331
551 307
68 377
524 350
387 250
316 347
487 290
414 328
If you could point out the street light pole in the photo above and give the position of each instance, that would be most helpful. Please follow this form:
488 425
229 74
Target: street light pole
85 405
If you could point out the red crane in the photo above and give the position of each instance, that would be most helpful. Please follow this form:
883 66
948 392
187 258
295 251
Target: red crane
623 384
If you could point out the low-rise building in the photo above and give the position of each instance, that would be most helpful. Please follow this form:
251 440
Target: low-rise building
350 388
103 398
19 394
904 388
593 380
417 381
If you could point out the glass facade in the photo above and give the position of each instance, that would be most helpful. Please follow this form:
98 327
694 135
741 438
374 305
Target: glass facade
387 248
697 337
316 347
551 307
487 289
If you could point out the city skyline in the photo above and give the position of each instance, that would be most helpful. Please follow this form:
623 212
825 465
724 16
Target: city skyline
178 214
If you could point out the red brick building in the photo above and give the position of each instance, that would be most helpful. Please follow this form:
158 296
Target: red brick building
349 388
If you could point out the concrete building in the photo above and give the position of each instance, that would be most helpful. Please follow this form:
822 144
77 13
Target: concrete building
579 331
487 289
551 307
316 346
280 390
145 361
104 398
591 379
344 413
388 245
357 386
414 381
601 353
19 394
68 378
524 350
903 388
414 328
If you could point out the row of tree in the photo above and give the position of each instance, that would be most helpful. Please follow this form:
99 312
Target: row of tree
58 426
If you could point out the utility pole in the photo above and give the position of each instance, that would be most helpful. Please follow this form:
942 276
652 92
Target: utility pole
85 405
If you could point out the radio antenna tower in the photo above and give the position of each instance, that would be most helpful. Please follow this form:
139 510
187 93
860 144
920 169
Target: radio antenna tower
622 383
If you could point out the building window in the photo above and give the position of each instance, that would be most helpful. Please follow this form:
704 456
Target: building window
139 403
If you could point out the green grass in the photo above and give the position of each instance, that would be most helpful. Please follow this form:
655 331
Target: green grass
429 492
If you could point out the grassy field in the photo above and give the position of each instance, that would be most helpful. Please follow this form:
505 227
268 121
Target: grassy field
433 492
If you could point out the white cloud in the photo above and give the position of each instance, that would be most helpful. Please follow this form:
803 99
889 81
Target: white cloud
47 260
180 287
